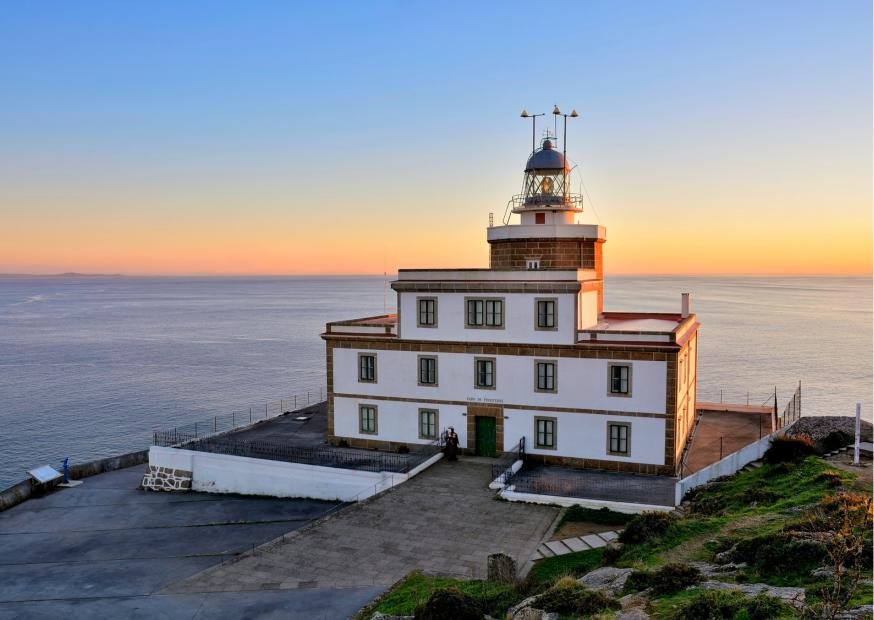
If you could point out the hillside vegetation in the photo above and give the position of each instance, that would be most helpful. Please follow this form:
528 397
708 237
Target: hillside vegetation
795 522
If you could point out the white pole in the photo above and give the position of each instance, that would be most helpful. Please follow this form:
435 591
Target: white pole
858 433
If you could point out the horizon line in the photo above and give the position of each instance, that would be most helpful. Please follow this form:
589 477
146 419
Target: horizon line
74 274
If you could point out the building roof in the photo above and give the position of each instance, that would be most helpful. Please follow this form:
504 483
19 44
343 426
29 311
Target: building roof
546 158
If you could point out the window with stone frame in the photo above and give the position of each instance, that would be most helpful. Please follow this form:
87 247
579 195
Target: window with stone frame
620 379
546 316
427 309
618 438
427 370
545 376
367 419
367 368
428 424
484 373
485 312
545 433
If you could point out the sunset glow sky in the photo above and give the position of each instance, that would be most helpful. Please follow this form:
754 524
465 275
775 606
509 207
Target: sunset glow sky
287 138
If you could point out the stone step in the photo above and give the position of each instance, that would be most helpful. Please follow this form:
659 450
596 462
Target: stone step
553 548
558 547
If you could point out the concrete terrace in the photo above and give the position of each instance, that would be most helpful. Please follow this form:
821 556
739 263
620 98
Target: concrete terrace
107 550
444 521
723 429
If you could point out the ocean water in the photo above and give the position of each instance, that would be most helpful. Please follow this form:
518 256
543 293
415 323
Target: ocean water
89 366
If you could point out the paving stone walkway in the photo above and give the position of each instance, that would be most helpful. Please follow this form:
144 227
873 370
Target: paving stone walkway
564 546
444 521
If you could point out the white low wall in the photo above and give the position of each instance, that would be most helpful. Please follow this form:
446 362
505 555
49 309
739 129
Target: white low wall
498 483
223 473
729 465
557 500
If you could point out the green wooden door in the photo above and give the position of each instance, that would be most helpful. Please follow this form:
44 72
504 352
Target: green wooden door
485 436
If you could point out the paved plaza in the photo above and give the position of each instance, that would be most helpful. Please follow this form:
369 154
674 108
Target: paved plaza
105 550
444 521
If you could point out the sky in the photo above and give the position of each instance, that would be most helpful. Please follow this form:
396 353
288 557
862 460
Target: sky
361 137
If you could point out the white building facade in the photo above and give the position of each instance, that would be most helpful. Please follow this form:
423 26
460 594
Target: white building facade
521 351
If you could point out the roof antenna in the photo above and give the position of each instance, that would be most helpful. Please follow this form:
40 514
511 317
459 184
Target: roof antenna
533 118
555 114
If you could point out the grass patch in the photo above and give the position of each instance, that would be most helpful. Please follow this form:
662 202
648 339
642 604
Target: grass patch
414 589
576 564
602 516
770 489
698 604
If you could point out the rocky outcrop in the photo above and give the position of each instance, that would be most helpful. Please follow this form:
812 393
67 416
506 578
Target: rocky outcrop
525 611
607 579
789 595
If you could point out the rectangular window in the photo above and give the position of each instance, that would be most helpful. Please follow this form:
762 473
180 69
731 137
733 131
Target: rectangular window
544 433
618 438
620 380
475 312
545 376
485 313
427 312
427 370
367 419
494 312
484 373
546 313
427 424
367 368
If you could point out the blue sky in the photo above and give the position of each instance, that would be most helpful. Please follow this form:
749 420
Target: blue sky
199 119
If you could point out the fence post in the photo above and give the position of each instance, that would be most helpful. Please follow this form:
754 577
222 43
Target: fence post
195 429
250 415
234 419
308 398
720 396
858 433
215 424
280 407
265 410
295 402
320 394
720 447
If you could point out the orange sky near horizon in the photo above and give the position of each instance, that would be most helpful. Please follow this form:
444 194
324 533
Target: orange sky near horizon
713 138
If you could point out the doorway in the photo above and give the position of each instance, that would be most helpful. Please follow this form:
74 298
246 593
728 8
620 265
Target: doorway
486 436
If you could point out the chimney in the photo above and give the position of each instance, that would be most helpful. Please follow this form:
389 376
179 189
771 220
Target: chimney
685 305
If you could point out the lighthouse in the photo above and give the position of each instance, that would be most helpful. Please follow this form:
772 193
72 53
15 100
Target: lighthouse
521 352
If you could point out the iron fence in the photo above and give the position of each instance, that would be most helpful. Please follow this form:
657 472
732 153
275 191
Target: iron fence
594 484
325 456
501 469
222 423
792 411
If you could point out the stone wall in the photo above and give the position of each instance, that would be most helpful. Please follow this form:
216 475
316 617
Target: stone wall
552 253
160 478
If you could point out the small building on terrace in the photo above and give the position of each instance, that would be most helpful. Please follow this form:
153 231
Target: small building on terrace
521 351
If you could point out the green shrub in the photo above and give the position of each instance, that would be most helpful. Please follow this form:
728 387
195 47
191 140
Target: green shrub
449 604
646 526
831 478
778 553
722 605
669 579
602 516
567 597
786 449
833 441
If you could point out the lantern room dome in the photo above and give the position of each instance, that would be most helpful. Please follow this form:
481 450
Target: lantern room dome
546 158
